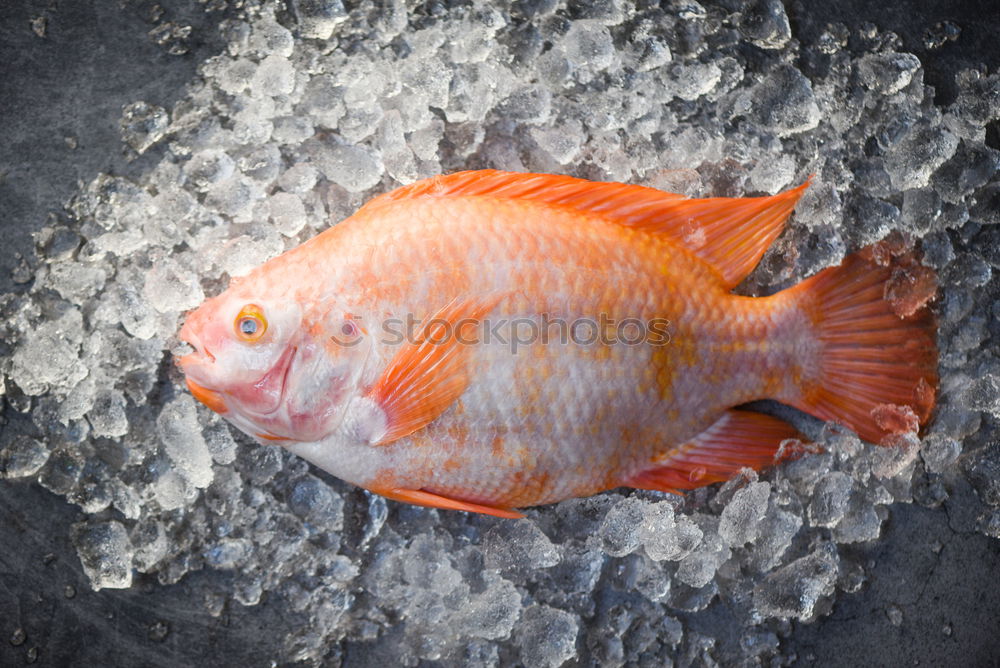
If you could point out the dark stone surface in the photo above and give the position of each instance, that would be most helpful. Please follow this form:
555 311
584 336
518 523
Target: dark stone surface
95 58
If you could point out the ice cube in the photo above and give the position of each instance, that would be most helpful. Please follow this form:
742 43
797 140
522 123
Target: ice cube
208 167
22 457
518 547
274 76
287 213
740 520
105 553
171 287
665 535
183 441
794 589
912 159
546 636
699 567
619 533
270 38
887 73
298 178
830 498
562 141
765 23
48 357
143 125
352 167
783 102
108 417
982 467
317 19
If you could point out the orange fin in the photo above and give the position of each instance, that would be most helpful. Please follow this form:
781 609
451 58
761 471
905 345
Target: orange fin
429 373
876 370
730 234
210 398
419 497
739 439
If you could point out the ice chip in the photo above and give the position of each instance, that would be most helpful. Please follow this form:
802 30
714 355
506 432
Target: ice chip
562 141
287 212
274 76
546 636
183 441
48 356
298 178
887 73
270 38
982 467
143 125
228 553
783 102
518 547
352 167
830 498
76 281
317 19
108 417
793 590
765 23
619 532
105 553
22 457
171 287
939 452
740 520
208 167
589 48
699 567
665 535
912 159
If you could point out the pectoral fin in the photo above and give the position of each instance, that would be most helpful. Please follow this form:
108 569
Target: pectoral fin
429 373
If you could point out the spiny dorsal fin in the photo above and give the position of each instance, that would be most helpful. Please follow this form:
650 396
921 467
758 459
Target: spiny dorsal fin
730 234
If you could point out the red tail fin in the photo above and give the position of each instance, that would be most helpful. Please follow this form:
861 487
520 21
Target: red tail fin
877 366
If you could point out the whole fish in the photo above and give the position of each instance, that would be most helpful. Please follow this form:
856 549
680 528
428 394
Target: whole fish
487 340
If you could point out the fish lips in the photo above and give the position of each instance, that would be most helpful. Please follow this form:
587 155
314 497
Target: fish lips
259 399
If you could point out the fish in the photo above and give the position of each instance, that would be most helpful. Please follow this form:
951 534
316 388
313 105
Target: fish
488 341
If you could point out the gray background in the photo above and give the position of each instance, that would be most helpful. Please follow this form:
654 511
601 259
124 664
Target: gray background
95 58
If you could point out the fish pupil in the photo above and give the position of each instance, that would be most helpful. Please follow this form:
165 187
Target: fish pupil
248 326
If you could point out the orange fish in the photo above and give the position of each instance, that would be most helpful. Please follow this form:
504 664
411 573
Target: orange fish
487 341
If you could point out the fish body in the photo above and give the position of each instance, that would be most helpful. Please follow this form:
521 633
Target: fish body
488 341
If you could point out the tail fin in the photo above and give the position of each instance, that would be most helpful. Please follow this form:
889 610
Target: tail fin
876 370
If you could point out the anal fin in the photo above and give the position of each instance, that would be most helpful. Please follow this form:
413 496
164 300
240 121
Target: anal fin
419 497
739 439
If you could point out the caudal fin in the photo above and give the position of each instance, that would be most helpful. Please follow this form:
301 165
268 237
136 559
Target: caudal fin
876 365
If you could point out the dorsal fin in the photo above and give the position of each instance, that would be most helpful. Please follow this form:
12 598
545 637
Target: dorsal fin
730 234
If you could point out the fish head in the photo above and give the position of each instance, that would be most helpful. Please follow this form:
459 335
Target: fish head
277 368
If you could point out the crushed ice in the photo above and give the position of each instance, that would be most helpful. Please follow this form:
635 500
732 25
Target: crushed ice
307 115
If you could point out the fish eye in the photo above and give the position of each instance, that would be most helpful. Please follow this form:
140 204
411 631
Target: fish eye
250 323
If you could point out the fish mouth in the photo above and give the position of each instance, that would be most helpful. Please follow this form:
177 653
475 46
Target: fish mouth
211 398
